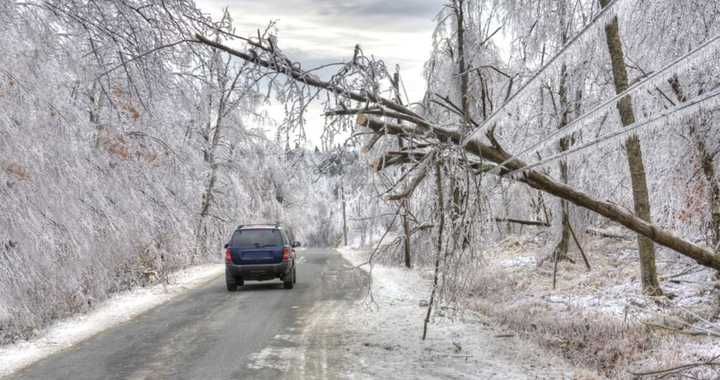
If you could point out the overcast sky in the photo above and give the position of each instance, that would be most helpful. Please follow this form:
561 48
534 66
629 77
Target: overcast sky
321 31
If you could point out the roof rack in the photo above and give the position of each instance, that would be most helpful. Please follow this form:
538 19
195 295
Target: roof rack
276 225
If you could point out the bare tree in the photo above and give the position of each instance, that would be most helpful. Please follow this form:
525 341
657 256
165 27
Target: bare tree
633 149
224 87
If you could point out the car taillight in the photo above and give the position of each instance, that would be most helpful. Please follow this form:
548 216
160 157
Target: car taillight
286 254
228 256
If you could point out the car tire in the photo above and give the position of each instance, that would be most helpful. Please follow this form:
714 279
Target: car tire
290 283
232 283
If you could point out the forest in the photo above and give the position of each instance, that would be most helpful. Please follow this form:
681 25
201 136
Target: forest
578 134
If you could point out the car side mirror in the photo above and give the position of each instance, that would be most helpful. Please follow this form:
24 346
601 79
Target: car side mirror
296 244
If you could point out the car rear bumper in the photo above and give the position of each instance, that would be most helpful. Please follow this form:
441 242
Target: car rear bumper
259 272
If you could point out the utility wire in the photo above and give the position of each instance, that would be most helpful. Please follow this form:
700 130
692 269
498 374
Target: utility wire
623 131
571 127
537 74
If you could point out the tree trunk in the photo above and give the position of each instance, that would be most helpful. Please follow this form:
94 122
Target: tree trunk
561 249
405 203
201 233
438 245
633 149
707 162
459 197
462 67
344 213
406 235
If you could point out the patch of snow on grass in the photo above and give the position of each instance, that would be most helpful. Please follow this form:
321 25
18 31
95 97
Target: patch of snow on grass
118 309
521 261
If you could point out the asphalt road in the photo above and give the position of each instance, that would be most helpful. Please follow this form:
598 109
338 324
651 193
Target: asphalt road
209 333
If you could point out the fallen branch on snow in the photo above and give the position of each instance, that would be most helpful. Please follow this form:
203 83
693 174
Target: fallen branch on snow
670 371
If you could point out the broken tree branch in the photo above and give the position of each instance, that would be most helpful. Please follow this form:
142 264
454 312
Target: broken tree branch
548 185
397 158
291 70
582 251
413 184
522 222
709 363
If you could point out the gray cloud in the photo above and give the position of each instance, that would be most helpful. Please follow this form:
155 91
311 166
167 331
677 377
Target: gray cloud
384 14
317 32
399 9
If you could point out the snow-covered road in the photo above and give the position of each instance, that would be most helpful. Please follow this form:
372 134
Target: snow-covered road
204 333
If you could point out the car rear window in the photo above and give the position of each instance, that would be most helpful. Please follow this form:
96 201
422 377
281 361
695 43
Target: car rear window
256 238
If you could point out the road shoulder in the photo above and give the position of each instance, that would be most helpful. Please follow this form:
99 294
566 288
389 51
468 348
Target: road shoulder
380 335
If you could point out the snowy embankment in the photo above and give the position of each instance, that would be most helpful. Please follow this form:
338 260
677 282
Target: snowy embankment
387 328
116 310
599 318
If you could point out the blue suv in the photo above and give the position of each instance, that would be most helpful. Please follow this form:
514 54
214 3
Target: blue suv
260 252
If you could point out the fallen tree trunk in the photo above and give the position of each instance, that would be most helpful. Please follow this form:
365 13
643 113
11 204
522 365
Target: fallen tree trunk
548 185
523 222
493 153
606 234
287 68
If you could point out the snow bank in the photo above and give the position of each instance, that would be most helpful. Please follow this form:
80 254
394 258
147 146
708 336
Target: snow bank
387 328
118 309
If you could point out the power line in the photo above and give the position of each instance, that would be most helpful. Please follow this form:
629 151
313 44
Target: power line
572 127
620 132
537 74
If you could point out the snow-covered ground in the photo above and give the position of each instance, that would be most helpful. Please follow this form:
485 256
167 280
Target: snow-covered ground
599 318
385 332
118 309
